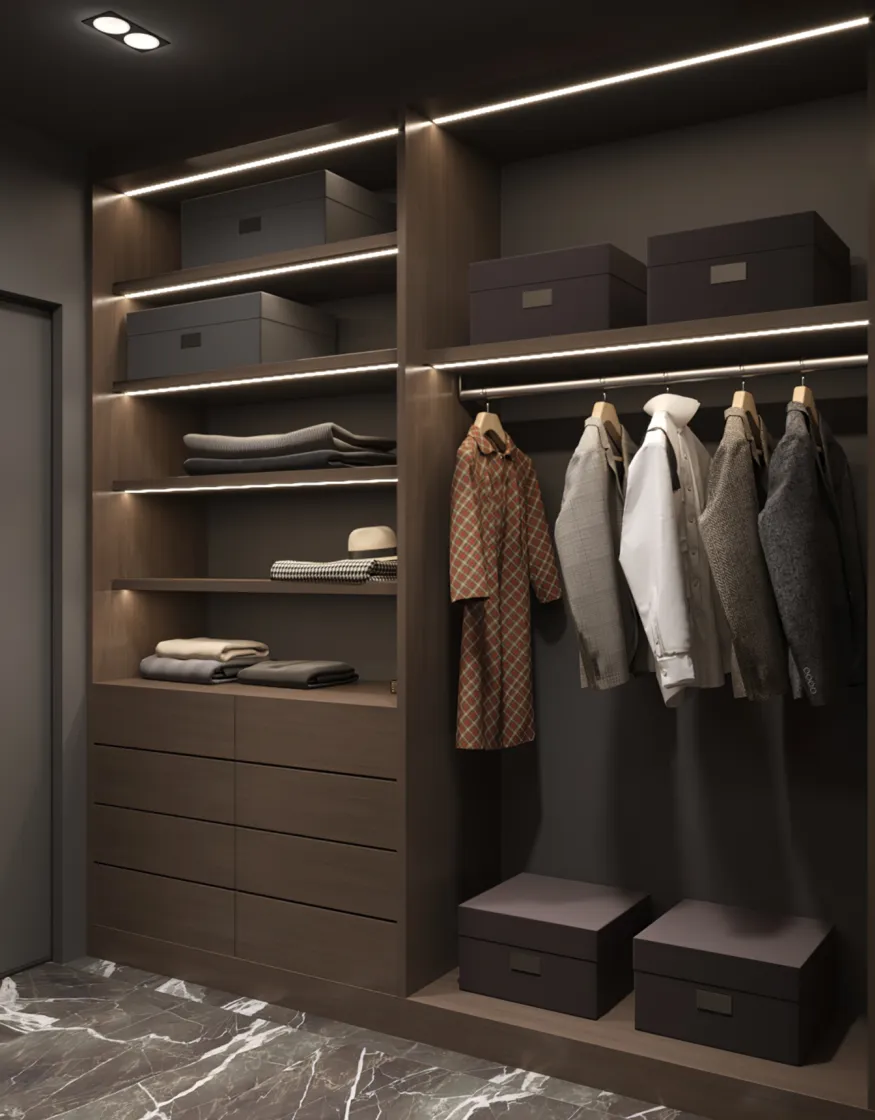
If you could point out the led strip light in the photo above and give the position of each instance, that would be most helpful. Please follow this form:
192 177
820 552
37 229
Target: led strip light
251 165
239 277
262 486
266 380
662 344
652 71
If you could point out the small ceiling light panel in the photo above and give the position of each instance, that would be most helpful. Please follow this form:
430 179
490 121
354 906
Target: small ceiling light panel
126 32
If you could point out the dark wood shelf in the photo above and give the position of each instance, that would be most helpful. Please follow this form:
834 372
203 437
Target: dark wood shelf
254 587
325 281
277 379
721 341
262 480
371 694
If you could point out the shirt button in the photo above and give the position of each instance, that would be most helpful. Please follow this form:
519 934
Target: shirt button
691 519
695 583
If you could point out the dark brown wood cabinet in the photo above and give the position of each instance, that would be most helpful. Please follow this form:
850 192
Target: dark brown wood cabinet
181 720
199 788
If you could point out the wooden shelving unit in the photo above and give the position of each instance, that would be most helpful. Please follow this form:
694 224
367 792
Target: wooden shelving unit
254 587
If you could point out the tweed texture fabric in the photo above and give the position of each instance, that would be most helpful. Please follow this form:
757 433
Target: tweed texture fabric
336 571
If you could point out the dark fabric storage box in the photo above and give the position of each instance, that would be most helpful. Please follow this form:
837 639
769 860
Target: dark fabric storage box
765 265
214 334
588 288
552 943
291 213
752 983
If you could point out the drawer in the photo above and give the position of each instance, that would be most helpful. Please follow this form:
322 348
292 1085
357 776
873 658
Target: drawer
347 738
324 806
168 909
341 947
319 872
195 850
179 720
202 788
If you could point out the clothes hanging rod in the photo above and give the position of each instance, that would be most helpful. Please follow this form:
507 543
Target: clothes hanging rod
674 377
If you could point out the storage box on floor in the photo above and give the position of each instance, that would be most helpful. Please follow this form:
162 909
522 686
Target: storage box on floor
771 264
588 288
285 214
552 943
221 333
752 983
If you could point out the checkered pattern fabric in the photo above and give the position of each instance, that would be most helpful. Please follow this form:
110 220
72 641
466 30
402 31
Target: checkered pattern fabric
499 544
336 571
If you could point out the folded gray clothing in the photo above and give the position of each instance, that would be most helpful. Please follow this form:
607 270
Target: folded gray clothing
299 674
319 437
193 670
307 461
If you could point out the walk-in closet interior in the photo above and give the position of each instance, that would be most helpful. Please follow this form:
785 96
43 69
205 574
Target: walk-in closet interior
311 846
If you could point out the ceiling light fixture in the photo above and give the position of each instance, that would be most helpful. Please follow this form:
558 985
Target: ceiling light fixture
651 71
126 32
269 379
663 344
238 277
262 486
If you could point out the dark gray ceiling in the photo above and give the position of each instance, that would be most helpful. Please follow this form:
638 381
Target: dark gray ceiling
240 69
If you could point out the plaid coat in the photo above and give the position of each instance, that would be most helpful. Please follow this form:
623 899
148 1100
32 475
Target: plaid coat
499 544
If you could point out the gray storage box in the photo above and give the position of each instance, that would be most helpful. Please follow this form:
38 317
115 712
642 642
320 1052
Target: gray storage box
291 213
221 333
552 943
765 265
752 983
589 288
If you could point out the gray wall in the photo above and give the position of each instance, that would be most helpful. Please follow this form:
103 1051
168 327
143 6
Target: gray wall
758 805
43 256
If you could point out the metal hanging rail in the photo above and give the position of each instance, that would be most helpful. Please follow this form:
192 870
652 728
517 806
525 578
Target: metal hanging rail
714 373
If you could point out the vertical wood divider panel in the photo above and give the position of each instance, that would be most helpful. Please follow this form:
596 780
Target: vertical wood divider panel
449 207
870 577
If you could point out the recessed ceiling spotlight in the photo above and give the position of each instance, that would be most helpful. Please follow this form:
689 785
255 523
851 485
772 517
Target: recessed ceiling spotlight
126 32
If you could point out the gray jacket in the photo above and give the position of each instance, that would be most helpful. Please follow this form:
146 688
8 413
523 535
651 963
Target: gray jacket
588 543
810 539
729 527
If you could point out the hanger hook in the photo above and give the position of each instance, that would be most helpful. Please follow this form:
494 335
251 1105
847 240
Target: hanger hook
802 378
604 394
742 384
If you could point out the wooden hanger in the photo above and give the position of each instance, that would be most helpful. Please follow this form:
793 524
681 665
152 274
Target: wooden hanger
603 410
490 425
803 395
744 401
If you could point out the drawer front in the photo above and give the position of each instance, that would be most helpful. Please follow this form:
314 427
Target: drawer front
319 873
202 788
186 913
538 979
323 806
343 947
730 1020
347 738
163 719
194 850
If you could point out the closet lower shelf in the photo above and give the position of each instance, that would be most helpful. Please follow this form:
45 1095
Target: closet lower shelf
339 477
255 587
371 694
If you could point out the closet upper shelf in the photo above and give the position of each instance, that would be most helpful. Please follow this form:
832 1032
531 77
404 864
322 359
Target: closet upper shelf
800 333
358 266
255 587
362 372
339 478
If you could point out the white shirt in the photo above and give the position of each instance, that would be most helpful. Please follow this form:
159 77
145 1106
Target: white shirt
662 556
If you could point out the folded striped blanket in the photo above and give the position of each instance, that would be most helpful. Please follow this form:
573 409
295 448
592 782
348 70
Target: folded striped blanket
336 571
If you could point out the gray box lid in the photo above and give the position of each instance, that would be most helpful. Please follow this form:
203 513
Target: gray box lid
762 235
547 915
558 264
228 309
728 947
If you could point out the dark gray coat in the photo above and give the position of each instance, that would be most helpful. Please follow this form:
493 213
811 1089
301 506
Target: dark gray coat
809 535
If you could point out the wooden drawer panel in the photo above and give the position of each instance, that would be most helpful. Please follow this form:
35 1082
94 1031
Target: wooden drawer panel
202 788
343 947
195 850
319 872
346 738
183 720
186 913
325 806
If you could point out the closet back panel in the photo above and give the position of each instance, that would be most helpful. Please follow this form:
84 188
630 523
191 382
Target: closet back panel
724 800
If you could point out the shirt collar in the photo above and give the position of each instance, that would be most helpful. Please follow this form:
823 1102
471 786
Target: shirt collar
485 444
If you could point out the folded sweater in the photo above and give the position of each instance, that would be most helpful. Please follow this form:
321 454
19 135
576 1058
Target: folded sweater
319 437
299 674
193 670
307 460
213 649
336 571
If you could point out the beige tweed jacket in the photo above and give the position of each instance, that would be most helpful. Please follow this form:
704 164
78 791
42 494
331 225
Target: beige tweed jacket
729 529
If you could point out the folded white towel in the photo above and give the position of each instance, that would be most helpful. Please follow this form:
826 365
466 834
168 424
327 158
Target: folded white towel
212 649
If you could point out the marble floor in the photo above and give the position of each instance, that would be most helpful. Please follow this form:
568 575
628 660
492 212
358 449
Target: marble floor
99 1041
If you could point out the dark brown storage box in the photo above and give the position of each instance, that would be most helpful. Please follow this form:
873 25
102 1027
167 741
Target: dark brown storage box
767 265
588 288
752 983
552 943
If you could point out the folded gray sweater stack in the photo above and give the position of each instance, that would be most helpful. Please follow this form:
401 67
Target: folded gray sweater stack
202 660
322 445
